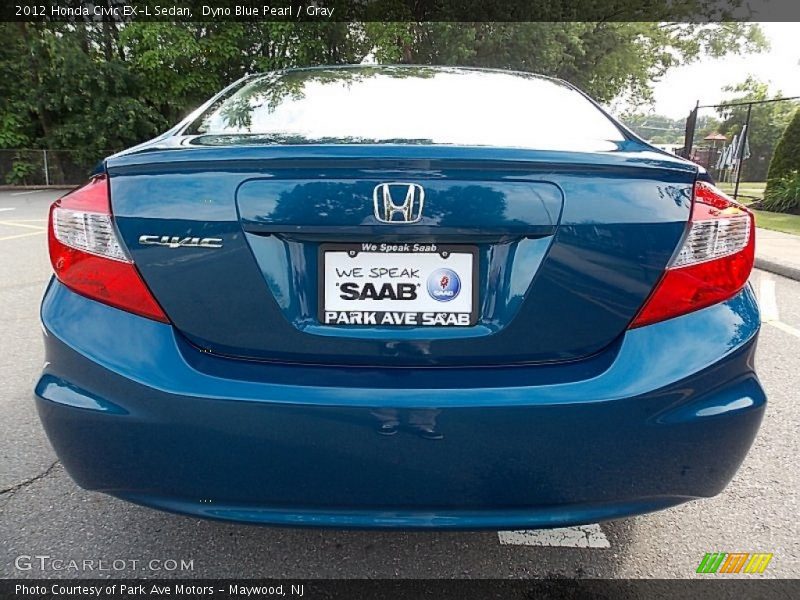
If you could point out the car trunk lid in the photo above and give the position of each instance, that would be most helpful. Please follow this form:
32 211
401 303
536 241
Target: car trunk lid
565 247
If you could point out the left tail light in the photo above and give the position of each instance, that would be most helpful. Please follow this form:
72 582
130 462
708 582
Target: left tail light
88 256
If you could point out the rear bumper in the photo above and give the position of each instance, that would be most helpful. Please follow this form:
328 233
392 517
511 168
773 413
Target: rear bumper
663 416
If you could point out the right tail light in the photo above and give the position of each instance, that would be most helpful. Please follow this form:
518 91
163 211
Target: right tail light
714 261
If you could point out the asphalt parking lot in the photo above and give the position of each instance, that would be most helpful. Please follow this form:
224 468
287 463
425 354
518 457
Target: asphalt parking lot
43 513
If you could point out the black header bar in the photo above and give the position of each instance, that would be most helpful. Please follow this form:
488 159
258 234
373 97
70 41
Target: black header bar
400 10
708 587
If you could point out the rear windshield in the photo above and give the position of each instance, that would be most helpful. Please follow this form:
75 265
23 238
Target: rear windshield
406 105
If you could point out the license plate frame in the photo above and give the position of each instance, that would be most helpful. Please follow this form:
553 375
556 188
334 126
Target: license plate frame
450 259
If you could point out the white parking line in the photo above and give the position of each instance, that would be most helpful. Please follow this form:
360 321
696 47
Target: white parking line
769 306
7 209
26 193
23 225
769 302
582 536
21 235
787 328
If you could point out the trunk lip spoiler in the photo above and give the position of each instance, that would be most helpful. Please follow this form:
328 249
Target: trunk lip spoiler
396 158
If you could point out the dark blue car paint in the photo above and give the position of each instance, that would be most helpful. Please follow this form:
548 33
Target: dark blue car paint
664 415
598 252
552 412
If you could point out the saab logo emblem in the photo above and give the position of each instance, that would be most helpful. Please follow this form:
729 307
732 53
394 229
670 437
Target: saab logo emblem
444 285
734 562
398 202
180 242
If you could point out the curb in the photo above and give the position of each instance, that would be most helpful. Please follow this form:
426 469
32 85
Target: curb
778 268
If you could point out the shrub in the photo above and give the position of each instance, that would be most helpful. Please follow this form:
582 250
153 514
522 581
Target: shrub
20 173
784 194
784 167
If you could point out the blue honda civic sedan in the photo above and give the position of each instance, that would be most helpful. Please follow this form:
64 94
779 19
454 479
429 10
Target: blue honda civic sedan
407 297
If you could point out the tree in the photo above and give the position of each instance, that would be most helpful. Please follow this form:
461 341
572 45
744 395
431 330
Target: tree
787 152
606 59
182 65
784 171
767 122
706 124
657 129
94 88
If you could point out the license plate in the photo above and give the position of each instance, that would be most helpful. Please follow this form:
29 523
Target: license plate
398 284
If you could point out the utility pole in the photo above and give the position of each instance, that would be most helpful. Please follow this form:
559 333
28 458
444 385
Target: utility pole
46 169
742 145
688 138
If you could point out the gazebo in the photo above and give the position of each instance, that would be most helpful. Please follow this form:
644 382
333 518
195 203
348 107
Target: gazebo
713 138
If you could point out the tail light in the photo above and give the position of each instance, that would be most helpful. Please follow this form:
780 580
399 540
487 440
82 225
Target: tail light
88 257
714 260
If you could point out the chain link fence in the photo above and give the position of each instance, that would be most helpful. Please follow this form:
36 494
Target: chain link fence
736 142
24 166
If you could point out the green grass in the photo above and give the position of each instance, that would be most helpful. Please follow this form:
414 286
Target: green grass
778 221
748 190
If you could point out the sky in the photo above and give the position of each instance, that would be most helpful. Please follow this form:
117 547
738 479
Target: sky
679 90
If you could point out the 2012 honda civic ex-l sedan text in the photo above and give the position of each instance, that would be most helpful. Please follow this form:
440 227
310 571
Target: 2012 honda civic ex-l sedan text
400 297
